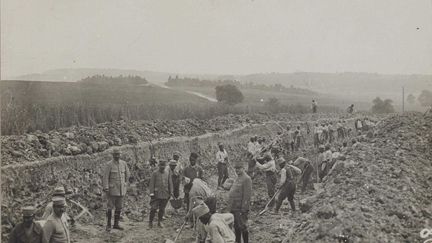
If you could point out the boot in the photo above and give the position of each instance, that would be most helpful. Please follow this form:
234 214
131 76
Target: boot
152 215
160 218
117 220
108 215
292 204
245 235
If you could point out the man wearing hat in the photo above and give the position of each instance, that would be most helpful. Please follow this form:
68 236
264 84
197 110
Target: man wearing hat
215 227
199 191
222 160
306 166
239 199
161 189
175 176
270 170
115 178
287 184
58 192
28 231
55 228
191 172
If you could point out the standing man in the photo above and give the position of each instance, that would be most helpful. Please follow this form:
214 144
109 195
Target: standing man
160 191
314 106
58 192
115 179
271 179
55 229
191 172
222 160
217 225
28 231
239 199
287 185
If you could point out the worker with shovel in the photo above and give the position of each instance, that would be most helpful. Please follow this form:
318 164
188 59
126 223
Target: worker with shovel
269 167
287 184
239 199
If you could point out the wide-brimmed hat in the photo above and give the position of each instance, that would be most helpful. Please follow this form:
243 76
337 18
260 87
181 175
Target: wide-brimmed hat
59 201
59 191
116 151
172 162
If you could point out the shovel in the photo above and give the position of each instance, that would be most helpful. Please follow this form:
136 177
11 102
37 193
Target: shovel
268 203
178 234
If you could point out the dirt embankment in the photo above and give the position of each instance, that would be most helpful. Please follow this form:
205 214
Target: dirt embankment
380 193
79 140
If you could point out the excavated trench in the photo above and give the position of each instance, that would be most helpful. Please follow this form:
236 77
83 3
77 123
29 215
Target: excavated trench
354 203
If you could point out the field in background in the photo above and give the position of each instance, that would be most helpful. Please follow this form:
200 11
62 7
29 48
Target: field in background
27 106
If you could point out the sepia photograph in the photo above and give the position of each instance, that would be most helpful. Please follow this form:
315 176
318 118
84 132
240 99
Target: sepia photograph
216 121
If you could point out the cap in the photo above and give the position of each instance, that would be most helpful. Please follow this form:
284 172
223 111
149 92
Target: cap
220 143
59 201
28 211
238 164
116 151
162 162
172 162
200 210
177 153
59 191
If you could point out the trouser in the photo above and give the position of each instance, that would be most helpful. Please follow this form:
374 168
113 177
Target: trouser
287 191
241 227
306 176
176 186
340 133
316 140
222 173
157 205
331 136
251 167
323 169
271 180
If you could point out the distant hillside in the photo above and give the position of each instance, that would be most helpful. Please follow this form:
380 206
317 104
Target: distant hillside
75 74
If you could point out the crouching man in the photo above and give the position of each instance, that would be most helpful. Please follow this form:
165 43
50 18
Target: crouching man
216 226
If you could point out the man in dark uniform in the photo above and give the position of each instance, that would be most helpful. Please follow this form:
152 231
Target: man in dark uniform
28 231
239 199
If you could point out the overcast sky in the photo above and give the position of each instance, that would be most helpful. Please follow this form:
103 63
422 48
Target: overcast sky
217 36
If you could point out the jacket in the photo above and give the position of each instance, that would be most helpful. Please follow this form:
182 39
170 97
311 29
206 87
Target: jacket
115 178
56 230
18 234
239 196
161 185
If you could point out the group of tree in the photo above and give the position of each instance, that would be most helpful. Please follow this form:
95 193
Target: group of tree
382 106
229 94
109 80
195 82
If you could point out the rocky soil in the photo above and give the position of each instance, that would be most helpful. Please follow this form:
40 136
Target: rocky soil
89 140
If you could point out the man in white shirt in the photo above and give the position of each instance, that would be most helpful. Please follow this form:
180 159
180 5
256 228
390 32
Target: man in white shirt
222 160
270 170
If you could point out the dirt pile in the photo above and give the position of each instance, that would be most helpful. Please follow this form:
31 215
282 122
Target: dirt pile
89 140
380 193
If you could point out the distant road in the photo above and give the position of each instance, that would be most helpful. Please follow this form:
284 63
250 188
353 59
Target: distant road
211 99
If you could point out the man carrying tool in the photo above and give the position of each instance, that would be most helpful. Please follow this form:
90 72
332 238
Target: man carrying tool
161 189
199 190
222 160
239 199
287 185
269 167
306 167
28 231
216 226
288 140
325 160
55 229
115 178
